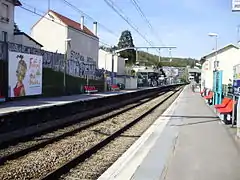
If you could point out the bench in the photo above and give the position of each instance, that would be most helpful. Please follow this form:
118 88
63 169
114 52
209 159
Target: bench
115 87
225 101
203 92
225 113
209 97
90 89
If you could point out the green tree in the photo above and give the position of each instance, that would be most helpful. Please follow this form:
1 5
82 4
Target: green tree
125 41
16 28
151 59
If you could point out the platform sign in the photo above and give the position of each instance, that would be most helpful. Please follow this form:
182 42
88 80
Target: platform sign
236 80
236 92
217 87
235 5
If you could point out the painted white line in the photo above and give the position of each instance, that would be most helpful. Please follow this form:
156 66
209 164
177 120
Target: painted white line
126 165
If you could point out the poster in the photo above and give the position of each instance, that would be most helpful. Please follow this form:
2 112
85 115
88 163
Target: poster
235 5
25 74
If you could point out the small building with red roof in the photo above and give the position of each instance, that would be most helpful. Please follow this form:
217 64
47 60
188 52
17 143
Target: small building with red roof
58 33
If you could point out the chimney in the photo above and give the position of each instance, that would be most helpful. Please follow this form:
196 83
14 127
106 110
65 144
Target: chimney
82 22
95 28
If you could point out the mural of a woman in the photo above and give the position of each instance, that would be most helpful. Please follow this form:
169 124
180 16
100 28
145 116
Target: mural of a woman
19 89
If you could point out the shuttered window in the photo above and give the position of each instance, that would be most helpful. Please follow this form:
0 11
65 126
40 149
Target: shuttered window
5 11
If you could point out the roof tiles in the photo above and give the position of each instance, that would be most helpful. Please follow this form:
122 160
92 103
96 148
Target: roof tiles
73 24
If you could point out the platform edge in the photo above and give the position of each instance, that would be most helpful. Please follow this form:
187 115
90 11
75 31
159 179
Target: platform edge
113 171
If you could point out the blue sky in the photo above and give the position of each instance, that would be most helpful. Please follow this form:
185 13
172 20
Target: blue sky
181 23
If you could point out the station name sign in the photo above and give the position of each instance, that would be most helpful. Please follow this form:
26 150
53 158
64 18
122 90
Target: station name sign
235 5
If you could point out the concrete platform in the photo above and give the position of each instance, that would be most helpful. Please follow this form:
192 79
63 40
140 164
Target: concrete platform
188 142
22 105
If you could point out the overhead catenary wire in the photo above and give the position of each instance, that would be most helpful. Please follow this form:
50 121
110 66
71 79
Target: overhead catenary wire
79 11
140 11
89 17
116 9
34 11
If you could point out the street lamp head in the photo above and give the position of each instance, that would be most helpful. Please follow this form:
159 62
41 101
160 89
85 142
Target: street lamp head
213 34
68 40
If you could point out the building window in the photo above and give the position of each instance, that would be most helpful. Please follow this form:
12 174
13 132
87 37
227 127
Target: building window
4 36
4 12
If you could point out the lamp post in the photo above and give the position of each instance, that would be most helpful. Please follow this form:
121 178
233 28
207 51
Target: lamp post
64 63
215 83
216 48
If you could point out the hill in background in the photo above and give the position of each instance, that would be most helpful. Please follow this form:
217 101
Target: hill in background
145 58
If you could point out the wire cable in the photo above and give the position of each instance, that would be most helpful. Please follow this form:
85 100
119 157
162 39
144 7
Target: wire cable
42 16
89 17
112 5
140 11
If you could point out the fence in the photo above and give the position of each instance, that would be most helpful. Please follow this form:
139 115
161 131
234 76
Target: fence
55 61
53 68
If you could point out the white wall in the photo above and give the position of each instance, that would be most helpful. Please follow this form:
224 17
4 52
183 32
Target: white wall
7 27
207 75
121 66
83 44
82 50
131 83
22 39
105 62
50 34
227 60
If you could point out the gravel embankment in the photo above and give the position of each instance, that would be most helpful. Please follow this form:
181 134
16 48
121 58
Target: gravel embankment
93 167
41 162
54 134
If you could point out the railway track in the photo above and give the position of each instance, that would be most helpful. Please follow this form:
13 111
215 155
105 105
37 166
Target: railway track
57 155
37 141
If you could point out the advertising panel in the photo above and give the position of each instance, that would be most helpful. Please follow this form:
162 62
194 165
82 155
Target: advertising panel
25 74
236 80
235 5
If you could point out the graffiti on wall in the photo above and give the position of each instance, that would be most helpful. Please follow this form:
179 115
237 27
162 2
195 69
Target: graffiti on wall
76 65
50 59
81 66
